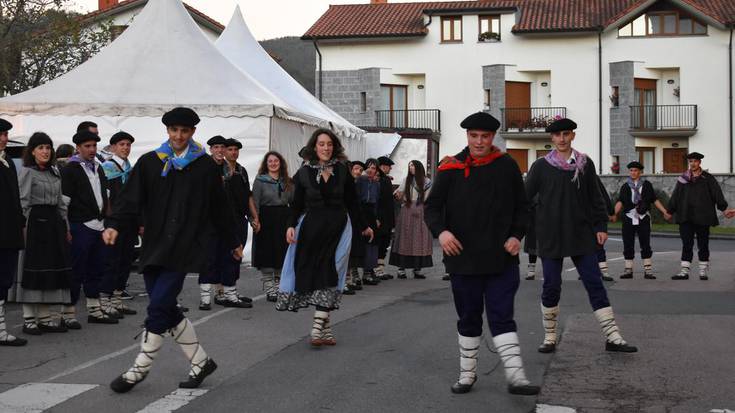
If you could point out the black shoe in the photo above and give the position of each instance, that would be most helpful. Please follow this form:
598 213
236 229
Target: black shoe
126 295
401 275
101 320
622 348
115 314
356 287
703 277
459 388
52 328
547 348
649 276
446 277
627 275
529 277
205 307
195 381
419 276
237 304
246 299
32 330
219 300
680 277
120 385
17 342
271 298
525 390
127 311
370 280
72 324
607 278
348 291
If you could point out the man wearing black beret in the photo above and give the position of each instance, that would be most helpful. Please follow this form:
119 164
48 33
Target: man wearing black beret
386 216
635 200
117 170
478 209
693 203
211 279
84 186
177 190
571 221
12 222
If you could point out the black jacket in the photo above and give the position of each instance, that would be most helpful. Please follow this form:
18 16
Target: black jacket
179 212
386 205
695 202
482 211
648 197
75 185
568 214
11 214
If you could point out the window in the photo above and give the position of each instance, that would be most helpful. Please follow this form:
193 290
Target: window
647 157
667 23
363 102
489 28
394 100
451 29
487 98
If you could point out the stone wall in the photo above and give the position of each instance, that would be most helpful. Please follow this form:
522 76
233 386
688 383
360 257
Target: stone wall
667 182
493 79
622 144
343 89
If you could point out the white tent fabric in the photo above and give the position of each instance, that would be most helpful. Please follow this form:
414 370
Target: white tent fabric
238 44
381 144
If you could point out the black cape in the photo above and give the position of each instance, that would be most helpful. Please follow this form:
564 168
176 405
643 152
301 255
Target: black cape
482 211
568 214
178 212
75 184
648 197
11 214
695 202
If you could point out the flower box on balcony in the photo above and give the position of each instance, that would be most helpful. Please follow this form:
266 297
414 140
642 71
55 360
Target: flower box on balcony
488 37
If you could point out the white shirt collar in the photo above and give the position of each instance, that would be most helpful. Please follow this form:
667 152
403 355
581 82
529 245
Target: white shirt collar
183 154
120 161
572 159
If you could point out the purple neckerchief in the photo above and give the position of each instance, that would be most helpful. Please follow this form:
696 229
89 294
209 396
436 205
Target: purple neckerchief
636 188
555 159
688 177
91 165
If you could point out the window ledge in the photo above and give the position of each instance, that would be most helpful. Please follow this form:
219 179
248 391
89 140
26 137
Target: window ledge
451 42
663 36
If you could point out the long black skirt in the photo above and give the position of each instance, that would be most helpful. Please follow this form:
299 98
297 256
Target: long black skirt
46 275
269 245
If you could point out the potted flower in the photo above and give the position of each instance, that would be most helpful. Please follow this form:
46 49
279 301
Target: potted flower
615 168
488 36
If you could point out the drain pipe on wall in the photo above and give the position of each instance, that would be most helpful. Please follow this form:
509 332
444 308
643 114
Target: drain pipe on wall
599 64
732 26
321 78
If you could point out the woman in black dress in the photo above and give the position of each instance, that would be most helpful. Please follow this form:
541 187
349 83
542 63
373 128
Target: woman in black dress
272 193
320 234
46 275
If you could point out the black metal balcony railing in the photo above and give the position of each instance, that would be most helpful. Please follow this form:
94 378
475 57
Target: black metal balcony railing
409 119
663 117
530 119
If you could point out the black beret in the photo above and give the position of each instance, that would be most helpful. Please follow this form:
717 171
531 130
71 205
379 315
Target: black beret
233 142
180 117
38 139
635 164
5 125
695 155
84 136
561 125
121 136
480 121
216 140
361 164
384 160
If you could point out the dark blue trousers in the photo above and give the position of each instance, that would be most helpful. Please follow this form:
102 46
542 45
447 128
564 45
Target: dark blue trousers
89 256
120 261
601 255
687 231
163 287
493 293
8 267
589 271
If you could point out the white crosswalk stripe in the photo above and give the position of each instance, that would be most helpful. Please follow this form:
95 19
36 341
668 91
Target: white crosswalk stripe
37 397
174 401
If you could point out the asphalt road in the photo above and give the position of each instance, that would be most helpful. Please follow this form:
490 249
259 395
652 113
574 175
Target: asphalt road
397 352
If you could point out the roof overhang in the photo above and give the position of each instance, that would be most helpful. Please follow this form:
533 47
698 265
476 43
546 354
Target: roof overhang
469 10
556 32
106 14
635 12
366 38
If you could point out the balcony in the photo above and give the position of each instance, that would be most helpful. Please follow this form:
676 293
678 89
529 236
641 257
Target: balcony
663 120
529 122
413 119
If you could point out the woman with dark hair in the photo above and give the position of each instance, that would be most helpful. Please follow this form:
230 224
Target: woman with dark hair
272 193
46 275
63 153
320 234
368 194
412 246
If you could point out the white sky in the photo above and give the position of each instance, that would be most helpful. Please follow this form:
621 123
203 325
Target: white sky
267 19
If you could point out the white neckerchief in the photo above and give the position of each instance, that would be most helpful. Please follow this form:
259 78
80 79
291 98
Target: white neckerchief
94 181
3 160
633 214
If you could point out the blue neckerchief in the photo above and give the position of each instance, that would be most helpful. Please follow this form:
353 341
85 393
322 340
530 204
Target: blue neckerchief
113 170
166 154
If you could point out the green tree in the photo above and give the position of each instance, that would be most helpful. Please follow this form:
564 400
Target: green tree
41 40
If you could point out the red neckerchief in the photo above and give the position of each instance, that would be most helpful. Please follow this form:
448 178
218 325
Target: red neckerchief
451 162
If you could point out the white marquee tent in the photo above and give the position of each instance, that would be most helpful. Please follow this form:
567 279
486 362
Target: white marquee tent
239 45
164 60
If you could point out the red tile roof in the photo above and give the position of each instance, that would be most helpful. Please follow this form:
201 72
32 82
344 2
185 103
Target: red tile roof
407 19
132 3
